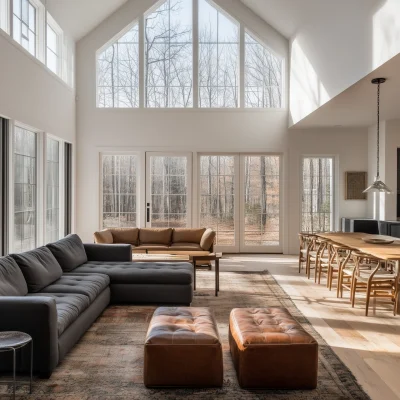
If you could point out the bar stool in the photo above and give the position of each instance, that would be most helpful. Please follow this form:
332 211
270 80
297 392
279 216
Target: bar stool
12 341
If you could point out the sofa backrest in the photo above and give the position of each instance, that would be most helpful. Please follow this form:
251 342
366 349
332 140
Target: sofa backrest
155 236
118 235
69 252
186 235
39 267
12 281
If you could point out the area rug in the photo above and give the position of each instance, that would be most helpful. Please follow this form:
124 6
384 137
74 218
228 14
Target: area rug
107 363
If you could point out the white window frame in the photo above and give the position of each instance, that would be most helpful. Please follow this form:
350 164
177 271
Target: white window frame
41 162
61 198
60 44
189 182
5 15
139 179
195 62
39 183
335 194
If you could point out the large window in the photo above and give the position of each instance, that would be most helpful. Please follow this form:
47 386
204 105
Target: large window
25 204
263 75
118 72
168 49
218 58
52 190
4 15
317 194
54 46
119 190
173 48
24 24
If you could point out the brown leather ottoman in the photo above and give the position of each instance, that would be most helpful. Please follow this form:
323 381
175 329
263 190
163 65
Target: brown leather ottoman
183 348
271 350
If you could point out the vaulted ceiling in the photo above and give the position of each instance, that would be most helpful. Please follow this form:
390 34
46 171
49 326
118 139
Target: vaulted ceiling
79 17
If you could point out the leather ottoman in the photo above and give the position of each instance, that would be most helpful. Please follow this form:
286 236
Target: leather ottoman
271 350
183 349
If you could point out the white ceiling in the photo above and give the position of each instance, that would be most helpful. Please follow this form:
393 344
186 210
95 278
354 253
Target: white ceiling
356 106
79 17
287 16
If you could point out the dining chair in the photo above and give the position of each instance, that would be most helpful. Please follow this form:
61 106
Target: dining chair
322 259
378 282
306 249
340 255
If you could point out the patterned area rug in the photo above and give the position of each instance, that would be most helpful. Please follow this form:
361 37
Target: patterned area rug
107 363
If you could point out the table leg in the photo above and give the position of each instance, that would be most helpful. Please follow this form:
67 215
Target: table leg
217 267
30 384
194 274
14 368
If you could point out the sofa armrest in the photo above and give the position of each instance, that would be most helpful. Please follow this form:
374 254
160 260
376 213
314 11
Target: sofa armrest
207 240
36 316
108 252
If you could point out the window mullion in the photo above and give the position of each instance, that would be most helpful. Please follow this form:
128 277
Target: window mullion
142 57
195 53
242 61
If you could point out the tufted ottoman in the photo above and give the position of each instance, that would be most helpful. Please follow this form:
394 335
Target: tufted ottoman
183 348
271 350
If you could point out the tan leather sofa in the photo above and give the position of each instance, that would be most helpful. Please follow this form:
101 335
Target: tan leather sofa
190 241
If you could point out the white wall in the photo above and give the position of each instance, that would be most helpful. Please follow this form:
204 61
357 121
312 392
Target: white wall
349 146
151 129
31 94
392 143
327 57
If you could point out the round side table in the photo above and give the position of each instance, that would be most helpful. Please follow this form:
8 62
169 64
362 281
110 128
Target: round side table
12 341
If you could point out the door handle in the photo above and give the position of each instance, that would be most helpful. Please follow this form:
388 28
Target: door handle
148 212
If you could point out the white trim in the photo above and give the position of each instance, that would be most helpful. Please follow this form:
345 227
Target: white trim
5 7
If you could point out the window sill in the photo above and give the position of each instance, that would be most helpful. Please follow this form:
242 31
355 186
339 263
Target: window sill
201 110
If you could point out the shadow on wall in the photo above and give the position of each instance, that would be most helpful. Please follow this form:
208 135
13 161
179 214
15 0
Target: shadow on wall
305 83
328 57
386 32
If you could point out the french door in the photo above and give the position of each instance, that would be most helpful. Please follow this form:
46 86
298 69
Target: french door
240 200
168 190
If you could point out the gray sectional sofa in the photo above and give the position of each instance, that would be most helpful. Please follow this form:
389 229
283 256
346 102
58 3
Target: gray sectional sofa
56 292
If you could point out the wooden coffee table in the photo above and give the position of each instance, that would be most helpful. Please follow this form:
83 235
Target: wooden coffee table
210 257
158 257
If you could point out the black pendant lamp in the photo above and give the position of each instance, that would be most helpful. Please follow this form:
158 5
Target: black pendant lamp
378 185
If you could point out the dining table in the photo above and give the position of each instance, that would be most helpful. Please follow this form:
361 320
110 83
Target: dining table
354 240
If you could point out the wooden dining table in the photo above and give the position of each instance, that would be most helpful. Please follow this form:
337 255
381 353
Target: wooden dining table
354 241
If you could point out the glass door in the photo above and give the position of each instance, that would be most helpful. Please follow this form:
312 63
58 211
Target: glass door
260 203
218 189
168 190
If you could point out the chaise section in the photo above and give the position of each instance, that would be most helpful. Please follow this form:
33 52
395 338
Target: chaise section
145 283
72 283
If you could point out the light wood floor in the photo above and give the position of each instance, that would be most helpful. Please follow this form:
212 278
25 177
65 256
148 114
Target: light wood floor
369 346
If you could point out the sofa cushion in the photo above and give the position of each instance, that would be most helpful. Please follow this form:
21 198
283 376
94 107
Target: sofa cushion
142 272
208 239
151 247
89 285
69 307
69 252
103 237
39 266
185 247
185 235
161 236
12 281
125 235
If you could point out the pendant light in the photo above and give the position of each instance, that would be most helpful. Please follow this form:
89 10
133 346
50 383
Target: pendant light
378 185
